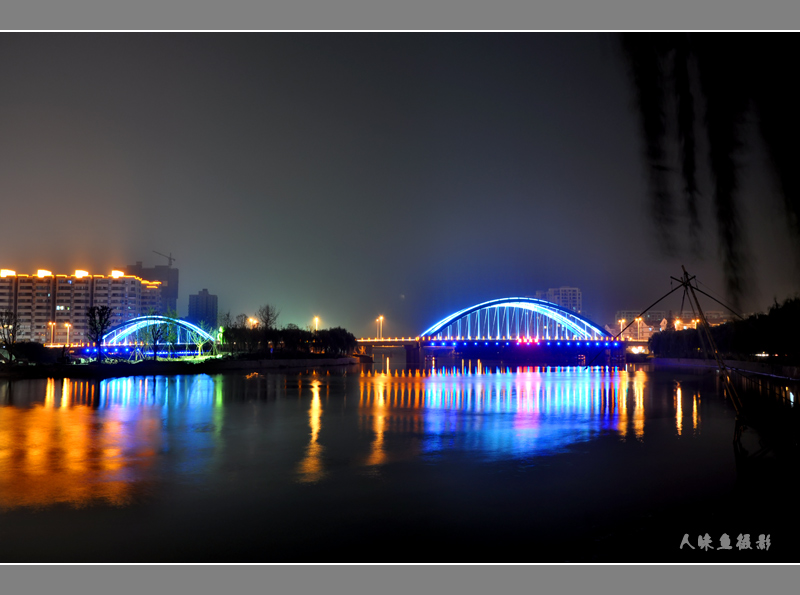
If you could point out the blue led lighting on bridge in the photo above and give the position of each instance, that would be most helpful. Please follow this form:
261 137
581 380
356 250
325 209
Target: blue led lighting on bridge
571 322
126 332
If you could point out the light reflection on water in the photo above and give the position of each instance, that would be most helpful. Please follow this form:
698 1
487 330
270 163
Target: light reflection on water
114 442
310 468
85 441
501 413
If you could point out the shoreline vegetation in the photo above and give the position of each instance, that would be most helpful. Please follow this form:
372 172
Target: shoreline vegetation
769 338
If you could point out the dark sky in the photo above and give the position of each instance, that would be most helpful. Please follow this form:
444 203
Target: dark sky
346 175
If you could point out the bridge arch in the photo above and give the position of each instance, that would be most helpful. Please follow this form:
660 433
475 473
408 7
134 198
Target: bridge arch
126 333
516 317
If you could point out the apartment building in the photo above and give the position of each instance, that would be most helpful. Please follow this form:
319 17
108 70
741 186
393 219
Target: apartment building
567 297
52 308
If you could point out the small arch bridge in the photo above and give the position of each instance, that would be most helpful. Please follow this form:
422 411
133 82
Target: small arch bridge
131 332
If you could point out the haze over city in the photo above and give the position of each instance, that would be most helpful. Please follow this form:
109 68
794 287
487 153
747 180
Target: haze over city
348 176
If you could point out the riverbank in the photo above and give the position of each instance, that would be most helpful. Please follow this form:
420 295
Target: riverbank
151 368
790 372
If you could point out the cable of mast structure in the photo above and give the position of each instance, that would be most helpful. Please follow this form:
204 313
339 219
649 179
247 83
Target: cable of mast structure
724 371
708 344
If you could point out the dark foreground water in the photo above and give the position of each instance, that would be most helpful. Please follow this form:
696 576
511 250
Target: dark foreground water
464 462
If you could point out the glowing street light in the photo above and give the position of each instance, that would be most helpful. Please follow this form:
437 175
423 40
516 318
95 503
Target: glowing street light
253 322
638 328
52 332
380 322
316 323
67 324
621 322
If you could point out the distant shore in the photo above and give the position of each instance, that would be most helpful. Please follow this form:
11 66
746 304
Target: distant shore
166 367
766 369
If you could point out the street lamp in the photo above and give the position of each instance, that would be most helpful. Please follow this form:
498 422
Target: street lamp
380 321
316 323
67 324
621 322
639 328
253 322
52 332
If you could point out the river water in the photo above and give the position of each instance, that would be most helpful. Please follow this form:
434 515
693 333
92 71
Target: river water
461 461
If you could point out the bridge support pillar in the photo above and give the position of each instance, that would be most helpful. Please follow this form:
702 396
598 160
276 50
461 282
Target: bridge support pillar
413 355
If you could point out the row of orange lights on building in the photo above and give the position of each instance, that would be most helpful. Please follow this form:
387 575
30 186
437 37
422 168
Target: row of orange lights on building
41 273
79 274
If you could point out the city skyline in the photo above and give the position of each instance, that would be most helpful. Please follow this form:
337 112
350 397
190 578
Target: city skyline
348 176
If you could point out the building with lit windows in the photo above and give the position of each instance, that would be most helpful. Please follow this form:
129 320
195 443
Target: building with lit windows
8 291
34 305
52 308
566 297
650 318
654 321
151 298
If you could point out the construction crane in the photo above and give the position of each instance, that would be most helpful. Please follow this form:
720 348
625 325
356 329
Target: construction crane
169 258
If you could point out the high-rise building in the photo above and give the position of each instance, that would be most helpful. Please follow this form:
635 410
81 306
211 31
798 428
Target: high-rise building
151 297
166 275
52 308
8 291
203 308
35 301
567 297
74 296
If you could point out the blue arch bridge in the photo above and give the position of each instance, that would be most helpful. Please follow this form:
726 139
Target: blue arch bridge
514 328
169 337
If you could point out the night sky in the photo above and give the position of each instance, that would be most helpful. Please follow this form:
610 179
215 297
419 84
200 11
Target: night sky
347 176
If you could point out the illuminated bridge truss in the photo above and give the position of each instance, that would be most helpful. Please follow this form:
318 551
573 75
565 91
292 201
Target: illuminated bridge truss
134 332
516 318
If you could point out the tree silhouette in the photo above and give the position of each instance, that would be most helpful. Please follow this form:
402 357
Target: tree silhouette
268 316
99 322
686 83
9 326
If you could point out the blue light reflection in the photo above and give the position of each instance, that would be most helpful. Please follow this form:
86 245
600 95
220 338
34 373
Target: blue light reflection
501 413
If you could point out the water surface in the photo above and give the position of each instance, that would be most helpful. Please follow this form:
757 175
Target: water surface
460 461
